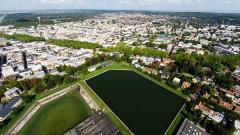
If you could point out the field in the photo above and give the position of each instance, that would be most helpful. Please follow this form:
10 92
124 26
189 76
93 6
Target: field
142 105
58 116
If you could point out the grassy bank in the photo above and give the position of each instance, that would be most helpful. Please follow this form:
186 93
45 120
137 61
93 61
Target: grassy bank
110 114
117 122
126 66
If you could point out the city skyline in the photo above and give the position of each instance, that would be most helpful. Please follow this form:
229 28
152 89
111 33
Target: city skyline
153 5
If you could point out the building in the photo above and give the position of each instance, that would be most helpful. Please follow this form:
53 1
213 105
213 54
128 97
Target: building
196 79
39 21
11 93
102 64
8 71
186 85
188 128
216 116
237 109
92 68
176 80
237 124
24 59
97 124
225 104
6 109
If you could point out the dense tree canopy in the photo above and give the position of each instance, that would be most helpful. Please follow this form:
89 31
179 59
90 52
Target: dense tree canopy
137 51
22 38
74 44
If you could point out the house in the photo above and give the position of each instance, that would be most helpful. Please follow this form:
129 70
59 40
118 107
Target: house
137 66
202 107
102 64
148 70
36 68
8 71
92 68
237 124
230 94
237 109
6 109
206 95
216 116
193 97
186 85
39 74
176 80
236 90
11 93
196 79
225 104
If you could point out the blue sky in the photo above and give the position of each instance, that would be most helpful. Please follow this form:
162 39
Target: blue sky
161 5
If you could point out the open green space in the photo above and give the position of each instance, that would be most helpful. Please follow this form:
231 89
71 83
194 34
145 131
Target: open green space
14 118
115 119
142 105
58 116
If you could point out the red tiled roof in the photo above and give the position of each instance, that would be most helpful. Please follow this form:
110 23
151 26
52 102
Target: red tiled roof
237 108
226 104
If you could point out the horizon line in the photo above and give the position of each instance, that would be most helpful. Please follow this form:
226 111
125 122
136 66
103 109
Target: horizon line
138 10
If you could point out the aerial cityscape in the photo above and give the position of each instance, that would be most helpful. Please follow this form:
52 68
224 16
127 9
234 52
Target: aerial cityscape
124 67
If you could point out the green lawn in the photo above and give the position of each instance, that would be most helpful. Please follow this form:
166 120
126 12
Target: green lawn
14 118
58 116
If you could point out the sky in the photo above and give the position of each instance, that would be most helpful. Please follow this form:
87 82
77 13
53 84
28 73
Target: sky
157 5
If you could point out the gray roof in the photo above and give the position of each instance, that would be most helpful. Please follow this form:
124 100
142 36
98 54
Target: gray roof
105 63
97 124
188 128
10 91
7 108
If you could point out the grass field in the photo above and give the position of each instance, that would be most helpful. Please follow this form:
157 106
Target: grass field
14 118
58 116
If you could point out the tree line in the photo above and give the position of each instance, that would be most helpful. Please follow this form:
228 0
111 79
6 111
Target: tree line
64 43
74 44
150 52
22 38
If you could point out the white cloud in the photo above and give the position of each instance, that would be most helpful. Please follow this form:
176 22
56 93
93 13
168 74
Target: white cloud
60 1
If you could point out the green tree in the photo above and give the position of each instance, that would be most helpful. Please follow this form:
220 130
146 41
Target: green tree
2 90
40 87
27 98
67 80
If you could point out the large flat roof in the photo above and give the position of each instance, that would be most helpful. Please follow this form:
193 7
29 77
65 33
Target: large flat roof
97 124
188 128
